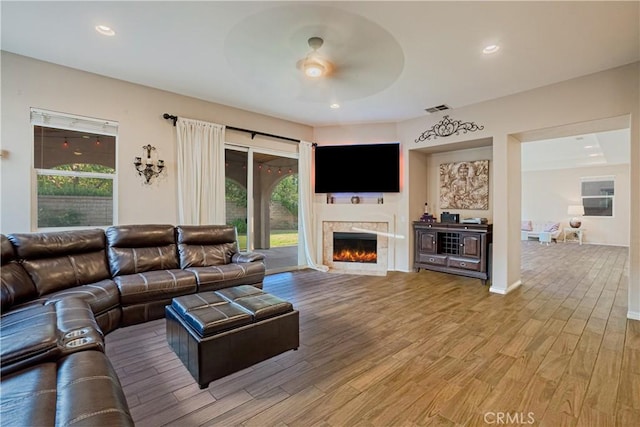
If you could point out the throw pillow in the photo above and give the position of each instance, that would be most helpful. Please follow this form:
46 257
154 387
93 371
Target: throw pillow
526 226
550 227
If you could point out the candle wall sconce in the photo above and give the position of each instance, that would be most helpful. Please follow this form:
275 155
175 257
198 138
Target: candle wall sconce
148 169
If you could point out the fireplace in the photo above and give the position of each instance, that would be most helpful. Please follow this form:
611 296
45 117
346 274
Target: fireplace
368 239
355 247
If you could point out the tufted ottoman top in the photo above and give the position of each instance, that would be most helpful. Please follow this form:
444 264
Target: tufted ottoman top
209 313
258 303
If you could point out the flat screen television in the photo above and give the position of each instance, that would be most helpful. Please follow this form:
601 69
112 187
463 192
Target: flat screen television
365 168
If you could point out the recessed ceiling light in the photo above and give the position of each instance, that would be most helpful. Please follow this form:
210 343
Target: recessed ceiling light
492 48
334 106
105 31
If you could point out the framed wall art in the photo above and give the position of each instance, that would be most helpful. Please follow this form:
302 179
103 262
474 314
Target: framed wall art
464 185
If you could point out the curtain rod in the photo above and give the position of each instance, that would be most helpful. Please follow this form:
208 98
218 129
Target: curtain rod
252 132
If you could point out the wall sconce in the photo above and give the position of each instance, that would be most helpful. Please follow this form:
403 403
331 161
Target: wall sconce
148 170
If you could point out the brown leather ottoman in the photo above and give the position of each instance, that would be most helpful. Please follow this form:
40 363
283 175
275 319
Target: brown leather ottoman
220 332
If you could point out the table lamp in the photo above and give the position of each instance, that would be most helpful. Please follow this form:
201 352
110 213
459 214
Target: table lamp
576 211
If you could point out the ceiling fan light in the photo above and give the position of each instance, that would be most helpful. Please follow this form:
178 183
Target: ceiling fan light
492 48
313 68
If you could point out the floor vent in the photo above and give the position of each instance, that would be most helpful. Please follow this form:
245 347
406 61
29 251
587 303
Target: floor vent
437 108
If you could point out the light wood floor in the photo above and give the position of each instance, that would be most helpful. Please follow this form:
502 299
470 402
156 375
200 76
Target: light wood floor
420 349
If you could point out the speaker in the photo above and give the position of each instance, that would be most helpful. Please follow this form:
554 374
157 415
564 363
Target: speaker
449 217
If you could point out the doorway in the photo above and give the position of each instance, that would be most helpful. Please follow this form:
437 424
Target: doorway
588 170
261 192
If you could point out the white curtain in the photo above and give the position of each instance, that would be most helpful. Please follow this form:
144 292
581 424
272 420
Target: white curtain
306 211
201 173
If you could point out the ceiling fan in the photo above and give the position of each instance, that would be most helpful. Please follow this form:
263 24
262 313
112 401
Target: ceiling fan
314 65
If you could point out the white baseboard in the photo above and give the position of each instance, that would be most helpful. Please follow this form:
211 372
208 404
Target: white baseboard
634 315
510 288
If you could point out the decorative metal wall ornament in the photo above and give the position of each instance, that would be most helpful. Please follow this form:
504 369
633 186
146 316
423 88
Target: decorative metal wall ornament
448 127
148 169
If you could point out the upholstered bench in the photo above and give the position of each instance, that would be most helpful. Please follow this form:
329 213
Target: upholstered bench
220 332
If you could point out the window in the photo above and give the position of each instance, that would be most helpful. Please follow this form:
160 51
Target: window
75 164
597 195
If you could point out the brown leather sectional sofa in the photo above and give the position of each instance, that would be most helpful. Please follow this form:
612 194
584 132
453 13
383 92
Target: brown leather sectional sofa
62 292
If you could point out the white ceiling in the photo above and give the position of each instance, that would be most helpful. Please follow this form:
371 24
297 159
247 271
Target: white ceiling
393 59
594 149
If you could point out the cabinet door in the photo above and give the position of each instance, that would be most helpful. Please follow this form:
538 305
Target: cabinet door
426 241
471 245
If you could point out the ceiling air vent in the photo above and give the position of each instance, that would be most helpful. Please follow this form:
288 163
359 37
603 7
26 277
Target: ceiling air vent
437 108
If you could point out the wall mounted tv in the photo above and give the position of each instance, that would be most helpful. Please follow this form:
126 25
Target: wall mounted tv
365 168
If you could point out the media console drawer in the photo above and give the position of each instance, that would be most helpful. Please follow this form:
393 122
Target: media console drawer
432 259
465 264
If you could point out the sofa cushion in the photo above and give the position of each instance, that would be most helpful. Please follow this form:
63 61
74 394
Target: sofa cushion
54 274
15 284
101 296
204 245
61 260
140 248
89 392
205 255
138 260
206 234
154 285
82 389
140 235
57 243
221 276
29 396
27 336
7 254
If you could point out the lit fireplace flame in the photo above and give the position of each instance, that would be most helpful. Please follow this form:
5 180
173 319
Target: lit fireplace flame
347 255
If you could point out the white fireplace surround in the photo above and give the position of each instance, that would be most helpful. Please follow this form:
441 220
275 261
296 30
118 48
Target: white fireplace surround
381 229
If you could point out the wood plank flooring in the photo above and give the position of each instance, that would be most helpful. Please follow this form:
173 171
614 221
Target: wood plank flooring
419 349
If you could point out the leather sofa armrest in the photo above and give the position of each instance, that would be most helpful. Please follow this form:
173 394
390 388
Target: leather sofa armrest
240 257
77 326
28 336
73 314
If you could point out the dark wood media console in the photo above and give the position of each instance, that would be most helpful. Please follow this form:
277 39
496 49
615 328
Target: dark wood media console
462 249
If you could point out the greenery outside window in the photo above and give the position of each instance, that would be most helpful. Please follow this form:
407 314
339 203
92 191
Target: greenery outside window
75 167
597 195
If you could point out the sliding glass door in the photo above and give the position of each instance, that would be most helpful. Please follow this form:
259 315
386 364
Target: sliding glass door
262 202
236 179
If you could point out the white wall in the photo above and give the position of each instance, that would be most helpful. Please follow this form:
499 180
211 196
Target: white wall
547 194
138 109
356 134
